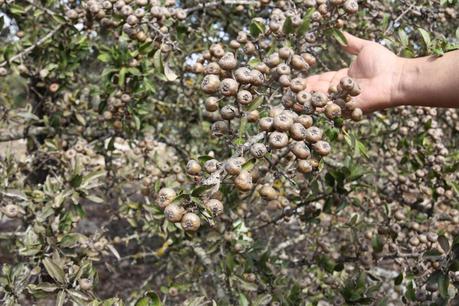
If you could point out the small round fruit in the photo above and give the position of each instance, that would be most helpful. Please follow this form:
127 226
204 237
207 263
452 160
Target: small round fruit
297 85
283 69
11 210
229 87
244 97
285 53
282 122
301 150
211 104
228 61
253 116
319 99
278 140
191 222
228 112
174 212
165 197
243 181
267 192
273 60
193 167
243 75
211 166
351 6
215 206
299 63
305 120
313 134
347 83
258 150
210 83
322 147
85 283
298 131
212 68
266 124
233 166
219 128
357 114
332 111
257 77
303 97
304 166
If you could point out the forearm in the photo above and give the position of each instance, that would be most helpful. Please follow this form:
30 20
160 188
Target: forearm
429 81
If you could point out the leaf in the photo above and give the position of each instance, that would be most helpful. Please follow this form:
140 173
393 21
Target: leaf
200 190
399 279
157 61
304 27
377 244
262 300
288 26
403 37
443 283
203 158
60 299
150 299
114 251
425 37
54 270
75 182
255 103
339 36
256 28
104 57
170 74
242 129
444 243
122 76
243 300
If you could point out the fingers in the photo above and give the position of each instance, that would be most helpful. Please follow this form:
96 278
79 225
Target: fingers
354 44
322 82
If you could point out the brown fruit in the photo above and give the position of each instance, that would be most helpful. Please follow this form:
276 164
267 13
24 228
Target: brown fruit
228 61
319 99
193 167
299 63
219 128
301 150
357 114
278 140
304 166
210 83
11 210
297 131
313 134
332 111
285 53
347 83
211 104
266 124
322 147
244 97
191 222
351 6
303 97
258 150
214 206
243 181
267 192
165 197
229 112
282 122
174 212
85 283
229 87
297 85
212 68
283 69
234 166
253 116
243 75
273 60
211 166
305 120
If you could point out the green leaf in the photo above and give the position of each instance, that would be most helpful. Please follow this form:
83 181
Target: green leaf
399 279
304 27
200 190
339 36
403 37
122 76
60 299
255 103
157 61
377 244
169 73
56 272
444 243
443 283
150 299
288 26
425 37
75 182
256 28
243 300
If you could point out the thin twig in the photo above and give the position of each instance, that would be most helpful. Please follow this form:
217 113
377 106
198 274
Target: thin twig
29 49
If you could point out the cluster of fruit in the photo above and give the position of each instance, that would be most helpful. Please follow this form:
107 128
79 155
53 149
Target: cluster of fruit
142 20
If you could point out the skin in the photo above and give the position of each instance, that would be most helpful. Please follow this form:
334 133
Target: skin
388 80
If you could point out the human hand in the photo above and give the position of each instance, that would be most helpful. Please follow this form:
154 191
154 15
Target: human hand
376 69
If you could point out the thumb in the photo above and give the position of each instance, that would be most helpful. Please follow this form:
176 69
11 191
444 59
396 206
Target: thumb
354 44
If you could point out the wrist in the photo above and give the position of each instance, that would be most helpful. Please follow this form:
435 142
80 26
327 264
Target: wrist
406 89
